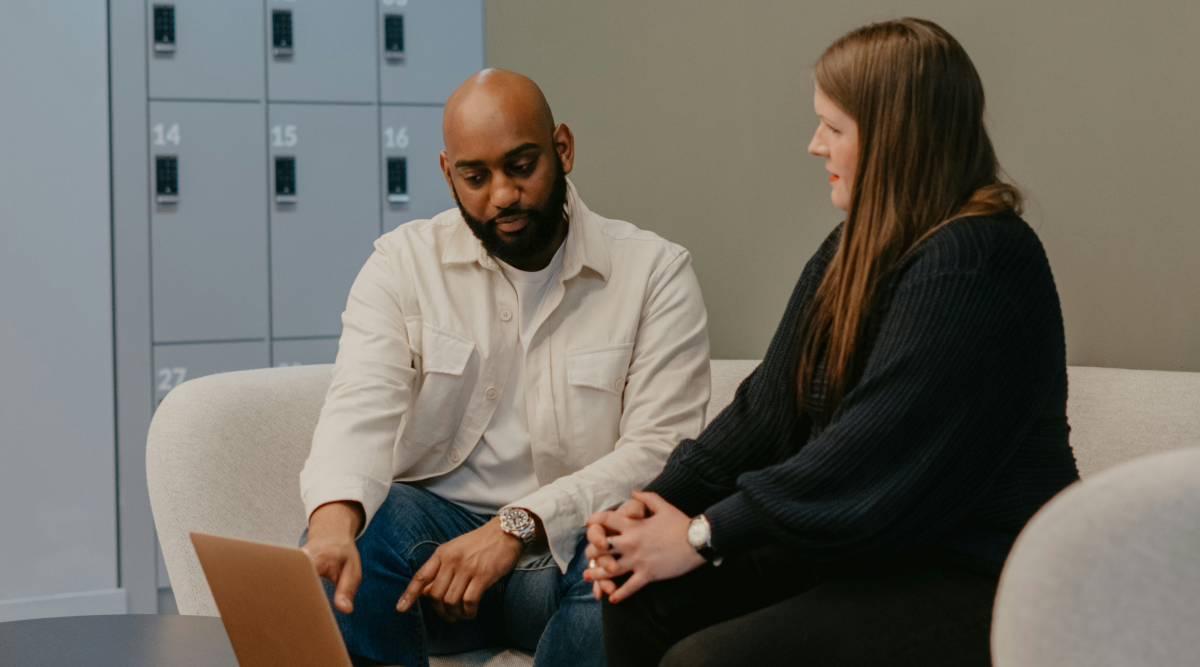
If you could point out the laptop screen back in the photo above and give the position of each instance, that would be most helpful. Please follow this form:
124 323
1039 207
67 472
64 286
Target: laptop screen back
272 604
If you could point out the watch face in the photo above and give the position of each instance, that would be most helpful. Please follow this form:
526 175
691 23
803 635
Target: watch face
517 522
697 534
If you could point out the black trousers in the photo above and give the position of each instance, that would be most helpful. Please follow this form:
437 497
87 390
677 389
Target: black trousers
769 607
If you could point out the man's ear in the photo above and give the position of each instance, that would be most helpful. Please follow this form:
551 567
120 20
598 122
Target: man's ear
564 143
444 160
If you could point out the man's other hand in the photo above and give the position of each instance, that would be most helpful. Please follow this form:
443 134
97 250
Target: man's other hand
331 531
457 574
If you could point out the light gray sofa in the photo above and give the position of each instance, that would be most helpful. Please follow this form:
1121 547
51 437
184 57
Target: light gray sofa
225 451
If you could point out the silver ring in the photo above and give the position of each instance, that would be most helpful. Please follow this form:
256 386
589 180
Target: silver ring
592 564
608 541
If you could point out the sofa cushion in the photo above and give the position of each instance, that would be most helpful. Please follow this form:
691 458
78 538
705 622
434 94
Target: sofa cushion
224 453
1117 415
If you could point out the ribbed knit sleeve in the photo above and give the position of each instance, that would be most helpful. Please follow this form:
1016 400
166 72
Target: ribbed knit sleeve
967 356
699 473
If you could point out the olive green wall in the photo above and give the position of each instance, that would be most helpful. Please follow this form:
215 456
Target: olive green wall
691 119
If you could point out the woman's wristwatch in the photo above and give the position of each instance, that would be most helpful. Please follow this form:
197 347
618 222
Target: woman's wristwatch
699 535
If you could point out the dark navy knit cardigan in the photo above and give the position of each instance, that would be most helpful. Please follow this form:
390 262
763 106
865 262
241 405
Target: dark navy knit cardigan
954 435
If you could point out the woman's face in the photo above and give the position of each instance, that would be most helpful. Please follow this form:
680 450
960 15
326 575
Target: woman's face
836 140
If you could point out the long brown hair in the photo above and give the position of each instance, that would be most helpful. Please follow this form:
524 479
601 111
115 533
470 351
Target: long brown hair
924 160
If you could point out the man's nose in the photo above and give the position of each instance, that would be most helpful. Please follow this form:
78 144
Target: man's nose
504 193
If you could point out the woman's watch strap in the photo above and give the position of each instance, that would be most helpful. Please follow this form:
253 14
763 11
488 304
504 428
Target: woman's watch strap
699 535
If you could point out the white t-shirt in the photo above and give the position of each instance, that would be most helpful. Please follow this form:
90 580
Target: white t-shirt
500 468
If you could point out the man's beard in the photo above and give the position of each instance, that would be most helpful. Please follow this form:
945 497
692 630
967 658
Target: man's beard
537 235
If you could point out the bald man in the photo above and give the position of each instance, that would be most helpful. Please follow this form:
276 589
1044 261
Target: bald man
505 369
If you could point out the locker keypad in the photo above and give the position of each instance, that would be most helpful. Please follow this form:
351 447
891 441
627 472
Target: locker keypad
281 33
285 180
164 28
166 178
393 36
397 180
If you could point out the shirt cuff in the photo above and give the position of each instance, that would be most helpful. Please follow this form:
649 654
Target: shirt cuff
736 526
561 531
347 489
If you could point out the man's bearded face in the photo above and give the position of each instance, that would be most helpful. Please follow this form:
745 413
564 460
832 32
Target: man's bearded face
535 237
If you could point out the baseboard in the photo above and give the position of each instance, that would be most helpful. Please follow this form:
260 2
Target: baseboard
91 603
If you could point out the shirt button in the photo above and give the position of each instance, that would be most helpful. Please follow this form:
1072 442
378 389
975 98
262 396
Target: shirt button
620 384
455 456
506 315
491 393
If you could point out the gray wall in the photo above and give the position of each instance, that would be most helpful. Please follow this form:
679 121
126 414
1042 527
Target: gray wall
692 119
57 466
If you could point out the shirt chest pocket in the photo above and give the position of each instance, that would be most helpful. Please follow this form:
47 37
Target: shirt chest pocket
596 386
441 401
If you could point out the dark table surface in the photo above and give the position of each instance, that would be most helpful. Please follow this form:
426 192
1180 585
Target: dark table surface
116 641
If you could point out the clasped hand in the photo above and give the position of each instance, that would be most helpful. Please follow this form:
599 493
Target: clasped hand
645 538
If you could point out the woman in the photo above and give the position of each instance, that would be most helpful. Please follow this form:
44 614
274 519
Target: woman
861 492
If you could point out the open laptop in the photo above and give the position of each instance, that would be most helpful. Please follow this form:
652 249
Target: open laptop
272 604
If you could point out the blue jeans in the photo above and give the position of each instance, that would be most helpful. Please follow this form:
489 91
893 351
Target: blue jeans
536 608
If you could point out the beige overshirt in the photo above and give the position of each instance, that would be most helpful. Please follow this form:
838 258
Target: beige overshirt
616 374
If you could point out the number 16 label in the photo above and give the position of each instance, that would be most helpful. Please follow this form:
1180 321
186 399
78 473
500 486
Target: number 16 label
395 137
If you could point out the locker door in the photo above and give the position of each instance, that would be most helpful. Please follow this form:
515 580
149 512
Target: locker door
321 50
175 364
427 48
324 213
414 188
205 49
208 221
304 352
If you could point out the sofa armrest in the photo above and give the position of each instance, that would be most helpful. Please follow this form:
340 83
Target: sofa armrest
223 456
1107 573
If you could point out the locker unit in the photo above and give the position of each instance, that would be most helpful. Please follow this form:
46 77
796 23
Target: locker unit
259 149
208 226
304 351
427 48
176 364
321 51
205 49
413 184
322 230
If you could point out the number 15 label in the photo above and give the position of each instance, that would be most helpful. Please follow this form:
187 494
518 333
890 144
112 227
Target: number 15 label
283 135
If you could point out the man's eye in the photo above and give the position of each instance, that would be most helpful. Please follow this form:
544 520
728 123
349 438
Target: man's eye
473 179
525 168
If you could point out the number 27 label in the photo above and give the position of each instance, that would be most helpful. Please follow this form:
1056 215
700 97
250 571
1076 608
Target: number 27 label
169 378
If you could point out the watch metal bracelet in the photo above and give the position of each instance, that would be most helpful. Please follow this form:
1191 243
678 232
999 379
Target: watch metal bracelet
520 524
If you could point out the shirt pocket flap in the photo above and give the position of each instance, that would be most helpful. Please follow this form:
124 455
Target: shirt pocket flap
602 369
444 352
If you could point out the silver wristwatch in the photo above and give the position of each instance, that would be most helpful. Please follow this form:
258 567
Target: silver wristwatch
699 535
520 524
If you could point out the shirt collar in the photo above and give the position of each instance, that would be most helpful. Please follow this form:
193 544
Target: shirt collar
584 243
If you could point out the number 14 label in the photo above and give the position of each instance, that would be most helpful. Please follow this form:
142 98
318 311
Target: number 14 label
168 136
